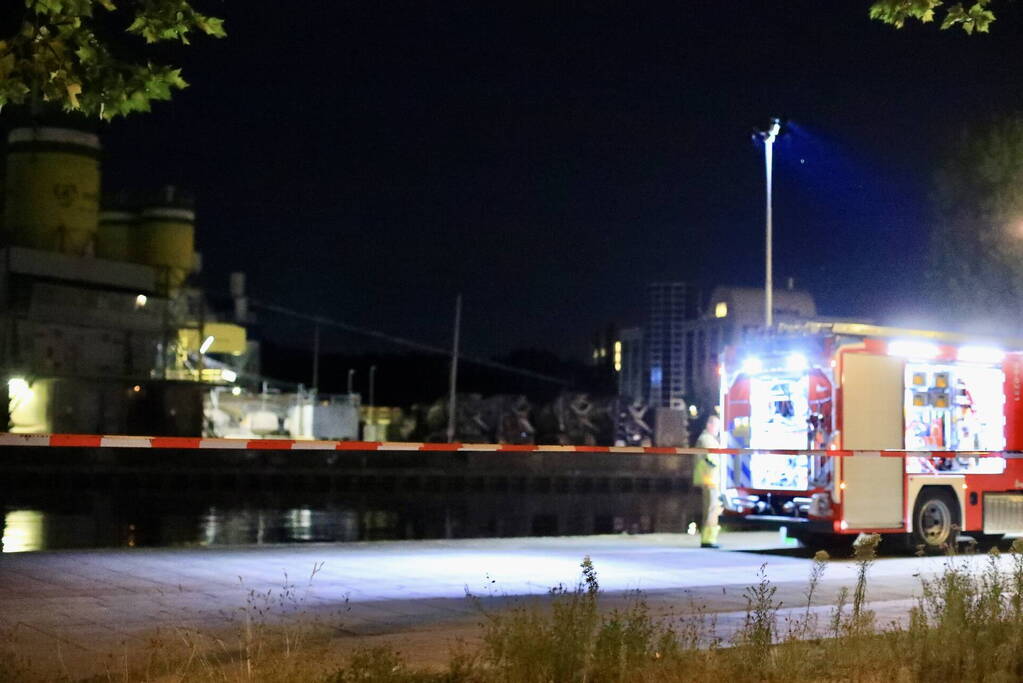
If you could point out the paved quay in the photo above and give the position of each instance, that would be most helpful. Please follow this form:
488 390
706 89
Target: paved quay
72 608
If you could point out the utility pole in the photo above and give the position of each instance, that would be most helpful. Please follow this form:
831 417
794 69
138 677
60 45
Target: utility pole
316 359
453 383
202 332
351 379
372 400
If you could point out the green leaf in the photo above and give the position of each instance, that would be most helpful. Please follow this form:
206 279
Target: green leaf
955 15
73 91
896 12
86 53
211 26
175 79
57 57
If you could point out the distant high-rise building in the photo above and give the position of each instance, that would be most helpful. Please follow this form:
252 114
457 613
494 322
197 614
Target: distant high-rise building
671 304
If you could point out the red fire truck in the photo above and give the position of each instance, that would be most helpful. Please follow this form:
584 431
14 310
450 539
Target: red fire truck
858 428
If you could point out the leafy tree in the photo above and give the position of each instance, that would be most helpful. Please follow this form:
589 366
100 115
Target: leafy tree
977 241
976 17
77 54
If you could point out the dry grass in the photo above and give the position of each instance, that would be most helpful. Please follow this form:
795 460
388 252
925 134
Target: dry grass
270 638
966 626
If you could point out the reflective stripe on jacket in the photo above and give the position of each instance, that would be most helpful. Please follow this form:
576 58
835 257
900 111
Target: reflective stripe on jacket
705 472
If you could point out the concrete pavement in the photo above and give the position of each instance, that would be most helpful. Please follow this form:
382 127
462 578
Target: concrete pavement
84 605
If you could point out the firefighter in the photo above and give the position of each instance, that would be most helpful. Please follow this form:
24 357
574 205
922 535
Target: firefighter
705 475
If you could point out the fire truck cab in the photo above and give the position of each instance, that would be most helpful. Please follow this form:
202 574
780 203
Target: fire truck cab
858 428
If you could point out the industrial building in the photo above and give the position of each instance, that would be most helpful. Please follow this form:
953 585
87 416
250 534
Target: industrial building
101 330
103 327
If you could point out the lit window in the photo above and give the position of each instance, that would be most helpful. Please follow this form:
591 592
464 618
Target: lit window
721 309
618 356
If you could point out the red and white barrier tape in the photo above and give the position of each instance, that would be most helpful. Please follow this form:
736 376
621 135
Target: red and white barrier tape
187 443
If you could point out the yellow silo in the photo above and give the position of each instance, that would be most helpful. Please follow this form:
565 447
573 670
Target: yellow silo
51 192
165 239
115 234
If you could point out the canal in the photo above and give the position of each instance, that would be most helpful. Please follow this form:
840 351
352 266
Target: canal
54 498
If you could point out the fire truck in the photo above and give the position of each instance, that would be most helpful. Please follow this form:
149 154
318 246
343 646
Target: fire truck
849 428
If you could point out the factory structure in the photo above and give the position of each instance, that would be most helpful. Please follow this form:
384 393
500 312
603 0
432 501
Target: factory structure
103 327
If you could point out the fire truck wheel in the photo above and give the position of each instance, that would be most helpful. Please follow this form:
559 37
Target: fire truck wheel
935 519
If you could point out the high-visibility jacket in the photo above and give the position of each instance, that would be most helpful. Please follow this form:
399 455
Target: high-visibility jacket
705 472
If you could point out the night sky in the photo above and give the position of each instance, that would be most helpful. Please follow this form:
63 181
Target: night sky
367 161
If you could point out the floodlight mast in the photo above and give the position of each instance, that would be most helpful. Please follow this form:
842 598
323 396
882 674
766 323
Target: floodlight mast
768 136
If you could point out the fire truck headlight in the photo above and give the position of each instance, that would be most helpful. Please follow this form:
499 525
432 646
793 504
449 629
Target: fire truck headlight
980 354
796 362
18 388
913 349
751 365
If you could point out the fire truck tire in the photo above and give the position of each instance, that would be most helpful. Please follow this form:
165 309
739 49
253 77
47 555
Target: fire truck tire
936 519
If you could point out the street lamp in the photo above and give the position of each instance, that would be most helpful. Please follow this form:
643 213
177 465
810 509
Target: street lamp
769 136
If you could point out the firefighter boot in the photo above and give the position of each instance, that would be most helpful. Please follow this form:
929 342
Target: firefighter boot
712 512
709 536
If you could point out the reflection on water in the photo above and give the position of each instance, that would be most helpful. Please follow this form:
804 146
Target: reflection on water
232 527
102 519
23 531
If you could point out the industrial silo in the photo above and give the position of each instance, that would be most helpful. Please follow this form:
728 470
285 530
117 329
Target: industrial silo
115 234
51 198
165 238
